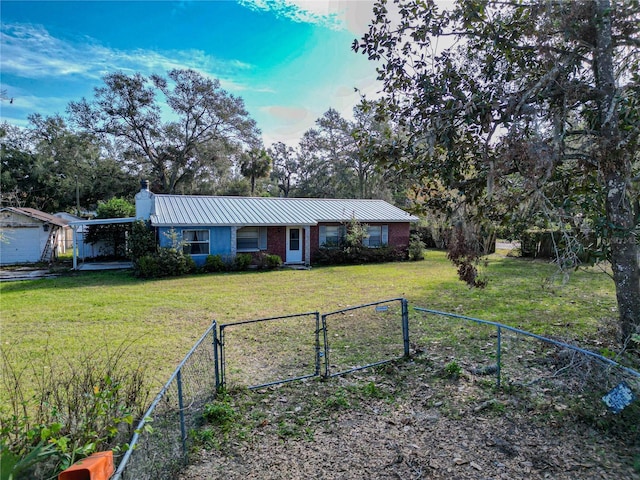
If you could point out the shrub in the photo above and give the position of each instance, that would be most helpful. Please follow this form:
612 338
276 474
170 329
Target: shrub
79 408
215 263
268 261
273 261
416 248
141 241
147 267
242 261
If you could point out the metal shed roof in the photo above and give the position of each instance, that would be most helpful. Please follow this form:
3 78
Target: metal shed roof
174 210
38 215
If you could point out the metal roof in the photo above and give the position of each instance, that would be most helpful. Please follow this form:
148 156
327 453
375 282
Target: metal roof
38 215
174 210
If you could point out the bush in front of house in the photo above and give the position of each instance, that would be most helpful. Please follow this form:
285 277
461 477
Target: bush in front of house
141 241
350 256
167 262
242 261
215 263
267 261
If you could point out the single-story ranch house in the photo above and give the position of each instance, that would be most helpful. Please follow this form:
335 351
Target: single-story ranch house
292 228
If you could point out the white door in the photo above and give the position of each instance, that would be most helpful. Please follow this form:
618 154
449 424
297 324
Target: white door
294 245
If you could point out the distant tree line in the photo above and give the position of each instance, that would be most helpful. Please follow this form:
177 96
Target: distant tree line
186 135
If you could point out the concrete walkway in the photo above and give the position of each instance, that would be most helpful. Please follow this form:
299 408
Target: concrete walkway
92 266
24 273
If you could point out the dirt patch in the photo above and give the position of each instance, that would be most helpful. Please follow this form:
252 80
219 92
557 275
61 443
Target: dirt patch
408 421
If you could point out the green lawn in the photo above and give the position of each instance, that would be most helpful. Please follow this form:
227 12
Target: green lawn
161 319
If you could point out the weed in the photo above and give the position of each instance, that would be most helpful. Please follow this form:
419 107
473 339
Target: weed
288 430
220 413
371 390
337 401
452 371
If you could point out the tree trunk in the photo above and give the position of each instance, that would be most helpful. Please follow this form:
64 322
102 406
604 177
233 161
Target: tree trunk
616 169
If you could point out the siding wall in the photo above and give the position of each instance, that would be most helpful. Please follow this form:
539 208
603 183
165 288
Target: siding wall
219 241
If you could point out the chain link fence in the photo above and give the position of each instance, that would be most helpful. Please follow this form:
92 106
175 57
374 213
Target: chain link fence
365 335
269 351
551 371
160 446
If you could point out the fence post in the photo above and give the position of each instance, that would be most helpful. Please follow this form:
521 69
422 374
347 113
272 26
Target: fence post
318 352
326 346
216 360
498 356
222 362
405 326
183 430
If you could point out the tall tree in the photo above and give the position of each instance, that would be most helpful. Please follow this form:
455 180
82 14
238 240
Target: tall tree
49 167
285 167
536 101
206 123
254 164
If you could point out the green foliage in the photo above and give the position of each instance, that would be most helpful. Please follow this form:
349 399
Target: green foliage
114 234
127 109
452 370
48 166
115 208
268 261
220 413
337 401
141 241
81 408
166 262
501 127
340 256
416 248
215 263
255 164
351 249
242 261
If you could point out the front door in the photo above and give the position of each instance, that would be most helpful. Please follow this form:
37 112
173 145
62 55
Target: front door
294 245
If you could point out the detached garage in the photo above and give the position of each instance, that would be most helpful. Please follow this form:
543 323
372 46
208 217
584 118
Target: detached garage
28 235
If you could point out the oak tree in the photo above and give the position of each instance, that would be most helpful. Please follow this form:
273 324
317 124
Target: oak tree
522 109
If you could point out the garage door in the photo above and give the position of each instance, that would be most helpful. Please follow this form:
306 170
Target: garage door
20 245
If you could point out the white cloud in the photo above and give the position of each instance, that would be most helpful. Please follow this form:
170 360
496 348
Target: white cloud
334 14
29 51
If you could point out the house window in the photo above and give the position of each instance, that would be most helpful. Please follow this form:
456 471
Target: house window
377 236
330 235
251 239
196 242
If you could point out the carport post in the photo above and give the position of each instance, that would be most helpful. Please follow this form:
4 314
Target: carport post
75 247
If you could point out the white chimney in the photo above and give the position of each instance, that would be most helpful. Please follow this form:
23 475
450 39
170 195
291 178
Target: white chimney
144 201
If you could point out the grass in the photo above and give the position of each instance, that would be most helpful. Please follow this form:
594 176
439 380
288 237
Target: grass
160 320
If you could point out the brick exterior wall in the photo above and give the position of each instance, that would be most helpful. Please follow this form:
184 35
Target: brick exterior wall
277 242
398 235
277 238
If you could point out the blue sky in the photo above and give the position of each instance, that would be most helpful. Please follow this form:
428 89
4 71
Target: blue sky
290 60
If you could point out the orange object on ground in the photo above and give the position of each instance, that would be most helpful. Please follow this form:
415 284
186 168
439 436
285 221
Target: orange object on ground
98 466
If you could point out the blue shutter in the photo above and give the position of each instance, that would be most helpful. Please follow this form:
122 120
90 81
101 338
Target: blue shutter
262 240
322 229
385 235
